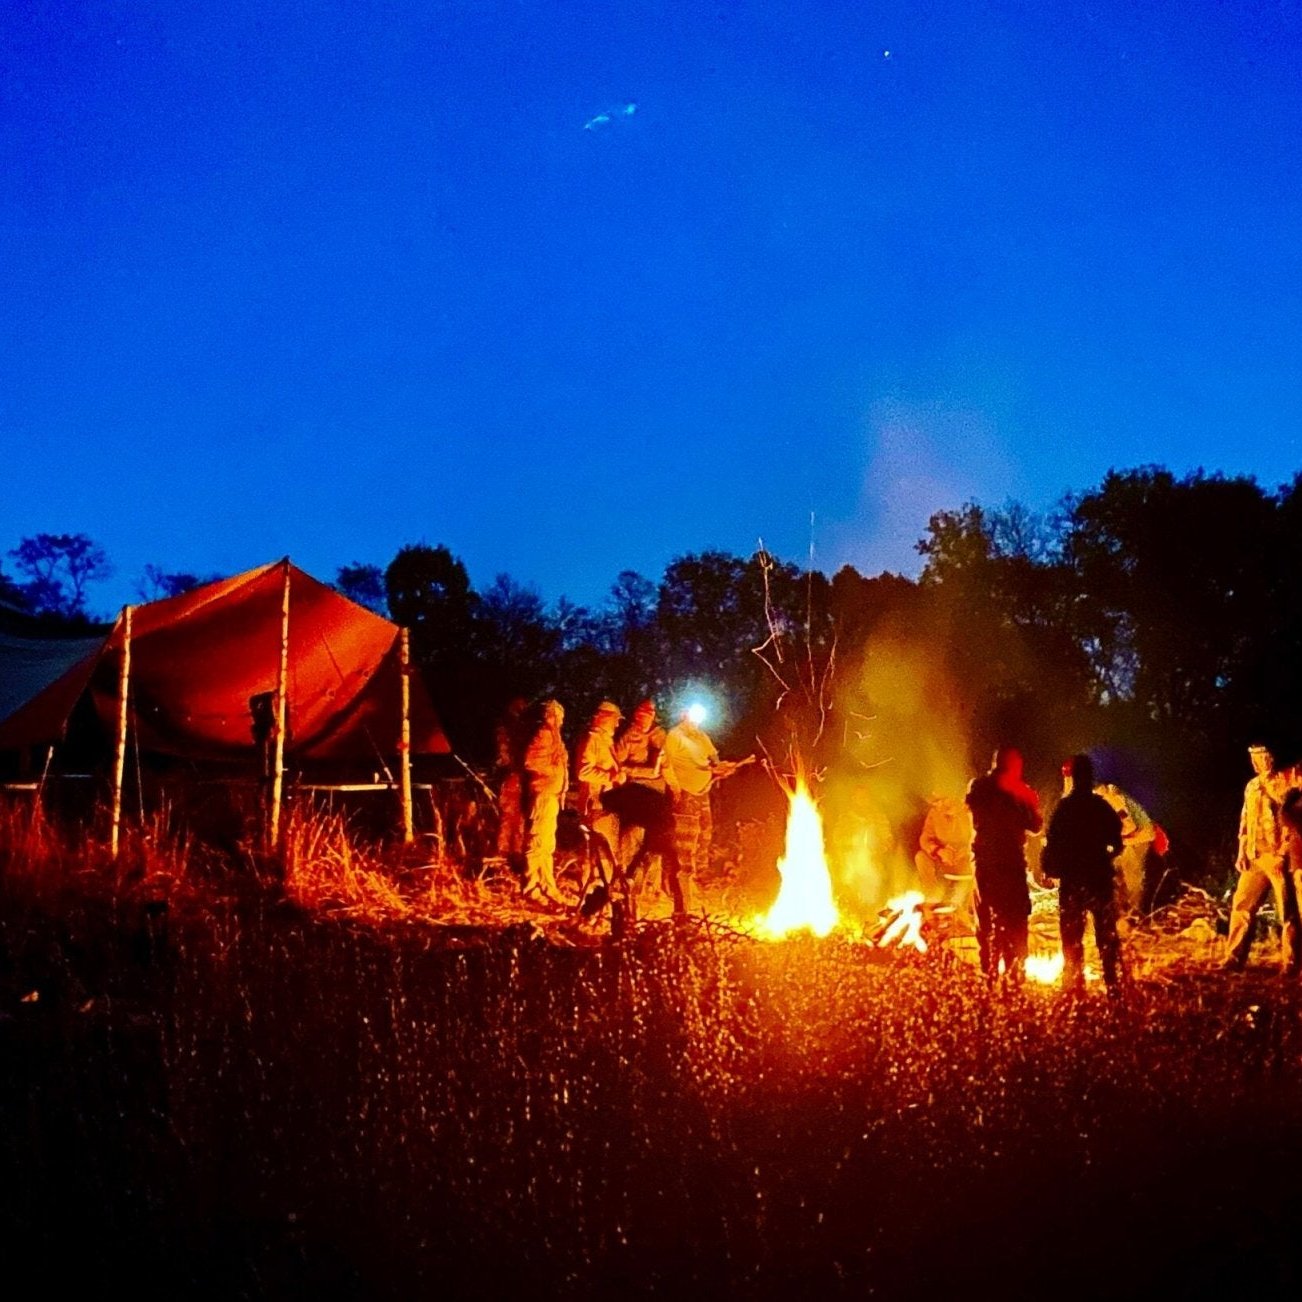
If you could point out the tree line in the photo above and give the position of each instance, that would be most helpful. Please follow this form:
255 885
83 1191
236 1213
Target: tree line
1154 619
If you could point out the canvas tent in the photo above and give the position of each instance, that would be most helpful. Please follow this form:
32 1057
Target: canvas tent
28 665
198 660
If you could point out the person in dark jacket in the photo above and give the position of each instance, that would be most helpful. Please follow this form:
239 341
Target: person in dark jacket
510 739
1004 809
1084 837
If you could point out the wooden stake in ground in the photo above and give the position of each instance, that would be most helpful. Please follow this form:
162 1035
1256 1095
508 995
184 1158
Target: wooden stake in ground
404 740
282 684
120 750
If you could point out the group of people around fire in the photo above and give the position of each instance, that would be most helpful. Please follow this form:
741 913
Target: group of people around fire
1096 846
641 793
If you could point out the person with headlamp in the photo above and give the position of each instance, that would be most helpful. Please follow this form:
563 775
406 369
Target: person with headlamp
690 765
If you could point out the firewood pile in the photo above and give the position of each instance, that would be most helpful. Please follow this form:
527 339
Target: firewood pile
1187 932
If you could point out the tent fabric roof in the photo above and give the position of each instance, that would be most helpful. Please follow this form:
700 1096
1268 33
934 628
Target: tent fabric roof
199 658
28 665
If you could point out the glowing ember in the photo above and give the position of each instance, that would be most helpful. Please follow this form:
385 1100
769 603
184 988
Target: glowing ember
905 928
1044 968
805 897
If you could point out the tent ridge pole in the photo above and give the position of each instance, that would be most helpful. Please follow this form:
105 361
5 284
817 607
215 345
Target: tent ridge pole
120 748
282 683
404 739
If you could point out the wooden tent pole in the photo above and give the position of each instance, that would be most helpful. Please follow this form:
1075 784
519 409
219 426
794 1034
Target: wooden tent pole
120 750
282 684
404 741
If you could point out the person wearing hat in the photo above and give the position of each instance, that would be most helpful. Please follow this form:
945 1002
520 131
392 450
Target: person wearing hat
690 765
646 819
1262 861
547 772
597 771
639 745
1084 838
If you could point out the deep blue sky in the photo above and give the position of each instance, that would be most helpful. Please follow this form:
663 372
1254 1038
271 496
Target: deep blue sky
324 278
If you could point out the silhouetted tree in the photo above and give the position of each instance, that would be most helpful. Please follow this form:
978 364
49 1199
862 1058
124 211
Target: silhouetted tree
429 592
1177 581
999 601
632 607
516 642
363 584
156 583
1181 586
56 568
11 594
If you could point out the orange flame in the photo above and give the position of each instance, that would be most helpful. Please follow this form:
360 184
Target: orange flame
805 897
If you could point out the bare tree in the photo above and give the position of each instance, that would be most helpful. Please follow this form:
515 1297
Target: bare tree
157 583
57 567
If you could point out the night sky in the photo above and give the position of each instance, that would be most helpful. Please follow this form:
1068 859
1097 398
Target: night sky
325 278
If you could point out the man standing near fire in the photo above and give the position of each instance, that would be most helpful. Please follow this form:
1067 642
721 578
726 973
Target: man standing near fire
646 821
546 767
597 771
1263 861
1085 836
690 765
1004 809
944 856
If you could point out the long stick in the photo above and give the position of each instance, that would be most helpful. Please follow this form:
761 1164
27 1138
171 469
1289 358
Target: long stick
404 740
282 682
483 786
120 751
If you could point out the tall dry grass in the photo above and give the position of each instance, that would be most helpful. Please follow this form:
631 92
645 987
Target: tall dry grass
45 856
324 862
327 866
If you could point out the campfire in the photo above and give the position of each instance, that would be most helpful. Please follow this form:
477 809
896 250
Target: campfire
1044 968
805 898
805 901
902 923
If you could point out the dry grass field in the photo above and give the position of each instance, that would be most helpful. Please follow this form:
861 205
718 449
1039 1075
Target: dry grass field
218 1085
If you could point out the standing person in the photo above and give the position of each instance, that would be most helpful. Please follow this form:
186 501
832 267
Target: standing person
1004 809
639 744
944 855
546 768
511 738
1262 861
1085 836
597 771
1139 834
1291 813
690 765
646 818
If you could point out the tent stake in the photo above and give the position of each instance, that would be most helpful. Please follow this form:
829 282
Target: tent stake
282 682
120 750
404 741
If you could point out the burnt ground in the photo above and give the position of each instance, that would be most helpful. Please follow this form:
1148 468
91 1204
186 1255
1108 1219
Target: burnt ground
248 1101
